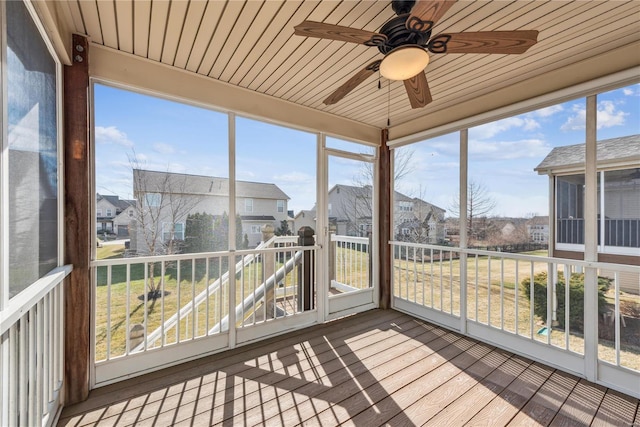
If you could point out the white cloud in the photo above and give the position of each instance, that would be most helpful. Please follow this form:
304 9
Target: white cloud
112 135
508 150
492 129
632 90
547 111
607 116
163 148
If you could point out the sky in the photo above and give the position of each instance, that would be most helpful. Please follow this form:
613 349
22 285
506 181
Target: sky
504 153
135 130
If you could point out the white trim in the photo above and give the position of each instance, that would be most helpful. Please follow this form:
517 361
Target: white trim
30 296
540 351
609 250
163 80
349 311
610 82
4 170
322 229
136 364
435 316
619 378
275 327
351 301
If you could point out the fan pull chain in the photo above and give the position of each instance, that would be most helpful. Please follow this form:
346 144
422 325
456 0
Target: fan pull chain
389 105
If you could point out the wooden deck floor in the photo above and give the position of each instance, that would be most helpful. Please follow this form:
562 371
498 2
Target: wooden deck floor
376 368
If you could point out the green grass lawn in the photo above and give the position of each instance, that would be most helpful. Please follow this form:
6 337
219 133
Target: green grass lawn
438 288
180 283
493 300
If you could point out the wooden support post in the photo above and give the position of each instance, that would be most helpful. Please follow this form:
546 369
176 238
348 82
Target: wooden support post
384 222
305 274
77 226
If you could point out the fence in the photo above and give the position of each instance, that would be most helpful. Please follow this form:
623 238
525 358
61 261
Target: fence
148 304
349 263
530 304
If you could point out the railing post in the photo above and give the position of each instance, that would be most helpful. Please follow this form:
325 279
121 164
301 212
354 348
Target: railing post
464 142
305 273
332 254
590 244
268 268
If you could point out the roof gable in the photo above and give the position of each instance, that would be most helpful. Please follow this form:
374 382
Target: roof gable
164 182
622 149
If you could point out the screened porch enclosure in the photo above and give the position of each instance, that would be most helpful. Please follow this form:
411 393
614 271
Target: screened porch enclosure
248 290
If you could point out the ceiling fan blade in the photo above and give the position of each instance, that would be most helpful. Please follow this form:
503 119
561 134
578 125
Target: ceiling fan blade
425 13
338 32
418 90
484 42
353 82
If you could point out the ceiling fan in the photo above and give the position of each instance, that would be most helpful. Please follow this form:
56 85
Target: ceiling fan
405 42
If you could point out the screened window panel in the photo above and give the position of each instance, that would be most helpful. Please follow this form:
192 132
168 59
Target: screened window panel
32 143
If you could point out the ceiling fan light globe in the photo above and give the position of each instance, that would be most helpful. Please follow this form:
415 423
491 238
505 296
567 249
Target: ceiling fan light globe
404 62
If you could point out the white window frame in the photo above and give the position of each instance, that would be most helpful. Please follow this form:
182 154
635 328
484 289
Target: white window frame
166 229
156 198
255 227
602 248
5 303
98 212
248 205
281 206
404 206
109 212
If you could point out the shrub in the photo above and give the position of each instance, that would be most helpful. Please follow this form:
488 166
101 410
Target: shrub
576 298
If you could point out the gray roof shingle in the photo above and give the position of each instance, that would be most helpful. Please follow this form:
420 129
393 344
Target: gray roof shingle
609 150
159 182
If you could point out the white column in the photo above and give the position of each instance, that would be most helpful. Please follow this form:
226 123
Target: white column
232 229
464 166
591 243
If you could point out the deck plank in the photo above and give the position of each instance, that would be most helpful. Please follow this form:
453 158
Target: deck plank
420 401
616 409
581 405
508 403
460 411
376 368
318 368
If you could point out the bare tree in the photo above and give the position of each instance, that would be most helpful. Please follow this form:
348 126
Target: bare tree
357 207
161 203
479 205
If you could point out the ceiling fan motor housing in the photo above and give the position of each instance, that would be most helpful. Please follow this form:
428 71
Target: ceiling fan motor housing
399 35
401 7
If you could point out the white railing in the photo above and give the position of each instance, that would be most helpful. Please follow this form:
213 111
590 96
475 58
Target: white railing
32 353
151 303
350 259
489 295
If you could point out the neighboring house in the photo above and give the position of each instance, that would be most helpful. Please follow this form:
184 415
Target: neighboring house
417 220
113 214
167 199
350 213
618 165
538 229
304 218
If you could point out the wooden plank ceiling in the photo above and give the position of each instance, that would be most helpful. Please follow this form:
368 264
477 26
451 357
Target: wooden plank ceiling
251 45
